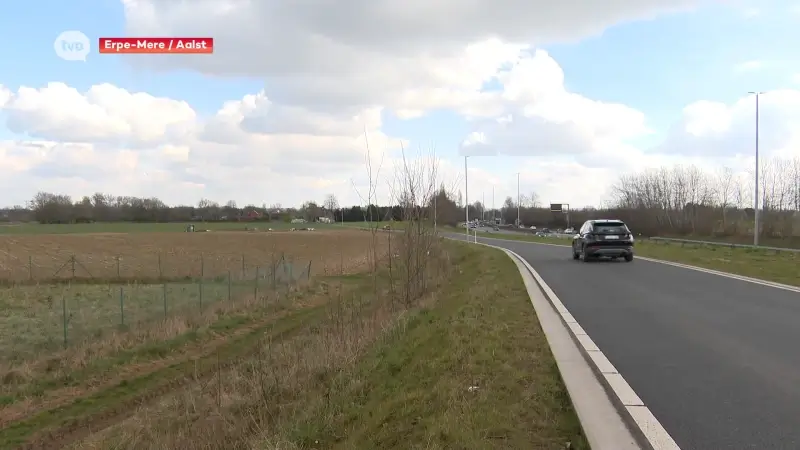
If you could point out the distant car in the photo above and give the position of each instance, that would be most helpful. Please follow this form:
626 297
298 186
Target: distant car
603 238
544 232
569 231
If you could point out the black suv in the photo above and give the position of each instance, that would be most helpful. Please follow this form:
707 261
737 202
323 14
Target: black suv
596 238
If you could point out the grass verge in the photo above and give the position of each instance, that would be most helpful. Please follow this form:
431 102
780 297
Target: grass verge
471 370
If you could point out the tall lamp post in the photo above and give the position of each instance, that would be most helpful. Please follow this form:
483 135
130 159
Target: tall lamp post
518 218
435 189
466 198
757 227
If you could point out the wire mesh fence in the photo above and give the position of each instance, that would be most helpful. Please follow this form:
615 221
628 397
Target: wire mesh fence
36 269
40 315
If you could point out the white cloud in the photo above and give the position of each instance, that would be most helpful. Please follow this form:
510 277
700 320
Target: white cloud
751 12
105 113
409 56
749 66
714 129
538 116
130 143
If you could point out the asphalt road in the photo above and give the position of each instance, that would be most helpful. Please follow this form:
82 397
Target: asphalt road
717 360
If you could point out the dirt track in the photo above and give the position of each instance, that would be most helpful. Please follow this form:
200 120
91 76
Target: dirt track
153 255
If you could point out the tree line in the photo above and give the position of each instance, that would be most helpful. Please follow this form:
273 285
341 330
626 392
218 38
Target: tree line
668 201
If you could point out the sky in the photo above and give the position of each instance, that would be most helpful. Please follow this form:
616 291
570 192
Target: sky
300 99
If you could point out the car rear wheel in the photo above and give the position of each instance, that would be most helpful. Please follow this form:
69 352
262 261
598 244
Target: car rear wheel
584 255
575 255
629 257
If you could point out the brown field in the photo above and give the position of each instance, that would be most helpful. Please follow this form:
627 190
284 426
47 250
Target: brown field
43 317
146 256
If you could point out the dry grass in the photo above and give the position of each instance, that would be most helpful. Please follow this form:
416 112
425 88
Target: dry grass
142 256
55 379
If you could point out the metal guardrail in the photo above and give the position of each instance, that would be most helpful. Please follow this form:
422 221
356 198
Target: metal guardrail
722 244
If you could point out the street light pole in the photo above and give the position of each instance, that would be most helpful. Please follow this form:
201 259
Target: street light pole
466 198
494 211
757 227
435 189
518 222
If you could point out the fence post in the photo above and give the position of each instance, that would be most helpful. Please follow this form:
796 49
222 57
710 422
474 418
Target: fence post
72 261
243 274
202 275
229 285
118 268
30 267
274 268
255 285
164 294
64 316
160 270
308 271
121 306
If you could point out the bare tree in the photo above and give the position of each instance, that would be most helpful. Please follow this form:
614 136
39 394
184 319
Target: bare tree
725 191
331 204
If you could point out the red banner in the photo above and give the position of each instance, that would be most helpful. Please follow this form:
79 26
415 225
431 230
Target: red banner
155 45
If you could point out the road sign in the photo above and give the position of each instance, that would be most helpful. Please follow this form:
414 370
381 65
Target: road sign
556 207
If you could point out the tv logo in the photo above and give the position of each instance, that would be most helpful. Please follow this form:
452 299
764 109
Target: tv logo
72 46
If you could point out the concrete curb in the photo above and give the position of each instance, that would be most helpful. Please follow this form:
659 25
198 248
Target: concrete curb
647 431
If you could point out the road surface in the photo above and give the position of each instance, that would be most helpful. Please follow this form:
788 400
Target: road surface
717 360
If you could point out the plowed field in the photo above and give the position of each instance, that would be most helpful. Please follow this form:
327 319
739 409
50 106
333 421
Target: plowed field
175 255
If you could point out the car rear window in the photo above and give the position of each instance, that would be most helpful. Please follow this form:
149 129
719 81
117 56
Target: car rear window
610 228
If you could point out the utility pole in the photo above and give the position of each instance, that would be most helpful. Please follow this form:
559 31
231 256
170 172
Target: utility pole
518 221
757 228
494 211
